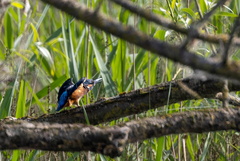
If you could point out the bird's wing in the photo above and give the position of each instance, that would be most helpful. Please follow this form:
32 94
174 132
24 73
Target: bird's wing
62 100
70 89
66 85
80 81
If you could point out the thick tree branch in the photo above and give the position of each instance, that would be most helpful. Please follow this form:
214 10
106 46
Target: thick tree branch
130 34
137 101
111 140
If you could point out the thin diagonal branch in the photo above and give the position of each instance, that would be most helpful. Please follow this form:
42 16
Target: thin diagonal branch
229 43
198 24
232 99
206 16
150 16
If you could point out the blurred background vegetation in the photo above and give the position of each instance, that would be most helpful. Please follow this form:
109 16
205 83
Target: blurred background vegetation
40 47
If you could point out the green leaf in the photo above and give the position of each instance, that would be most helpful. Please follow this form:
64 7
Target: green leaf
189 11
160 34
16 154
203 5
173 4
227 14
17 5
205 148
54 35
32 155
21 103
35 33
47 58
160 148
8 31
190 147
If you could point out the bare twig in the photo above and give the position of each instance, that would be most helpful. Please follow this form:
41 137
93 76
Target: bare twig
225 94
189 90
231 99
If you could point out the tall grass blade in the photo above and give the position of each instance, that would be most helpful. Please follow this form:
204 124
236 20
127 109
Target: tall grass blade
32 155
160 148
205 148
16 154
8 31
21 103
190 148
69 51
109 85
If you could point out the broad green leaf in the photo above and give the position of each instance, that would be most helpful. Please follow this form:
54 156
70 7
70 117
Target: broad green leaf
227 14
189 11
203 5
160 34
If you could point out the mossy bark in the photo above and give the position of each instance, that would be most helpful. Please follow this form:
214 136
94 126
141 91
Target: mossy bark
19 134
140 100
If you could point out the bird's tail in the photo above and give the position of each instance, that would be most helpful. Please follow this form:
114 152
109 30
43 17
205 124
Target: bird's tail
58 108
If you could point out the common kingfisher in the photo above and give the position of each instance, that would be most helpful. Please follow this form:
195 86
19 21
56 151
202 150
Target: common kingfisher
70 93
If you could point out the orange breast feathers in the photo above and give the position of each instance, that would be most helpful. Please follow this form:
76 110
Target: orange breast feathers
76 96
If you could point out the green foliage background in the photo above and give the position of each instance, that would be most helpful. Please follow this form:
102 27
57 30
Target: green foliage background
42 47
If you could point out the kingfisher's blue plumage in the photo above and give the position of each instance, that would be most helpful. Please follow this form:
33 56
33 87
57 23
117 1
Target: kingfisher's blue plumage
70 93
